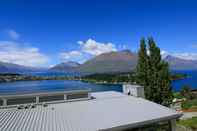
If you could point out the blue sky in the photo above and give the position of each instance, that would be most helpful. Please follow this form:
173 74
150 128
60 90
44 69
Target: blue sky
44 33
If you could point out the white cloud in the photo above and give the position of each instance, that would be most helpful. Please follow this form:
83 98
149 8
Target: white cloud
186 56
13 52
124 47
13 34
164 53
87 50
70 55
94 48
80 42
50 66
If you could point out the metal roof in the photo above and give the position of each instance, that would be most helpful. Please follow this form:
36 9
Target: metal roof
110 110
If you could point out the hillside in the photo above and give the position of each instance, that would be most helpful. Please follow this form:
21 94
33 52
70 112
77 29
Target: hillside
123 61
181 64
69 66
15 68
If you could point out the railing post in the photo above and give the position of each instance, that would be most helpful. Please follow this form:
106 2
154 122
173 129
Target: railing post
172 125
65 96
37 99
4 102
89 95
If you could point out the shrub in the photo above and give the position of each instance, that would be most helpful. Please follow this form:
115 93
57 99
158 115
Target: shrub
186 105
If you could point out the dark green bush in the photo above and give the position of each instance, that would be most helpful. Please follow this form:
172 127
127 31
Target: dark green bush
186 105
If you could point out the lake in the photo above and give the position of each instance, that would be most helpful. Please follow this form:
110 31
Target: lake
21 87
190 81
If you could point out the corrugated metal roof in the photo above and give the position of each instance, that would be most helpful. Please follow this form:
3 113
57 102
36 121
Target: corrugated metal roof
108 110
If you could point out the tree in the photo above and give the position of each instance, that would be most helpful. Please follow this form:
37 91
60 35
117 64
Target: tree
142 64
154 60
153 73
165 84
186 92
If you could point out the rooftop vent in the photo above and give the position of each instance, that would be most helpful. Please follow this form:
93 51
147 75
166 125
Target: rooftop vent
133 90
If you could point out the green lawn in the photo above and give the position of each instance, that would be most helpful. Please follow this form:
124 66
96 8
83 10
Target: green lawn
177 95
192 123
190 104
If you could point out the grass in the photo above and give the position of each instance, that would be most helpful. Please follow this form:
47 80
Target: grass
191 123
189 104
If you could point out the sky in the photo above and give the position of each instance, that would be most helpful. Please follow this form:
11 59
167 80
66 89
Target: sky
46 32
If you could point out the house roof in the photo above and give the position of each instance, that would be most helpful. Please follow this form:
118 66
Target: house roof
109 110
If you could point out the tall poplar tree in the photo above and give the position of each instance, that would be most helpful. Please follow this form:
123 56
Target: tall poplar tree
142 66
154 60
153 73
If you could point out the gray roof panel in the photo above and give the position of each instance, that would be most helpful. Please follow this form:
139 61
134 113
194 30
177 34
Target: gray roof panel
108 110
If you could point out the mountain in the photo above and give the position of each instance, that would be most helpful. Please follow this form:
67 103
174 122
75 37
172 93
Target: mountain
115 62
181 64
112 62
69 66
15 68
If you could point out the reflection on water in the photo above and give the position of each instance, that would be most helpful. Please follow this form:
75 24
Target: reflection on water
52 85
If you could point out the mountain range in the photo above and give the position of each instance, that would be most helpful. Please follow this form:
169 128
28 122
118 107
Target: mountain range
181 64
15 68
112 62
124 61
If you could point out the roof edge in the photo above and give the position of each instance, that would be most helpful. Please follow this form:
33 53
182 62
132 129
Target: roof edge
139 124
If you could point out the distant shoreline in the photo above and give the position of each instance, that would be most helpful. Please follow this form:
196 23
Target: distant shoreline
11 77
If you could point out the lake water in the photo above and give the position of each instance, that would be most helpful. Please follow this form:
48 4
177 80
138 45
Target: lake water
190 81
22 87
59 85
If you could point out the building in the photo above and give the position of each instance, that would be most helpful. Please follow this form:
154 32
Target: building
85 111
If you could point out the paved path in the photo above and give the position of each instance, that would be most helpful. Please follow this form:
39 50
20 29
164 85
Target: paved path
187 115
